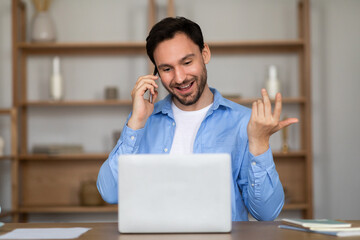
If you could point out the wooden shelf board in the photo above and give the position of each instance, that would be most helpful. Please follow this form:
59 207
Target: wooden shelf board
290 154
270 46
6 213
78 103
5 111
62 45
295 206
221 47
7 157
90 103
292 100
100 156
68 209
130 48
103 156
113 208
44 157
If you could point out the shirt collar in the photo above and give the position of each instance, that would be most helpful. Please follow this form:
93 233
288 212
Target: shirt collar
164 106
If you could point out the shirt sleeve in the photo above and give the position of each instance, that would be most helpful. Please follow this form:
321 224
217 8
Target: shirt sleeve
107 181
261 188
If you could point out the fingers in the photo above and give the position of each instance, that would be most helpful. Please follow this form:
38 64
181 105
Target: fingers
154 96
254 111
260 108
143 84
153 77
267 103
285 123
149 79
147 85
278 107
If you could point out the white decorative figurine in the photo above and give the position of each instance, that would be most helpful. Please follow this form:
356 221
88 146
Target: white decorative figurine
56 82
2 144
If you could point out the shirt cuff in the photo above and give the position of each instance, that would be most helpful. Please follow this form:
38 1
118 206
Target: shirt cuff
130 137
261 162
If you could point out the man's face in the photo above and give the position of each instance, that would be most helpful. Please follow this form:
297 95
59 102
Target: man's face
182 69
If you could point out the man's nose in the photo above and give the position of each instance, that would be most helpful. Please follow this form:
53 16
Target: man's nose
180 75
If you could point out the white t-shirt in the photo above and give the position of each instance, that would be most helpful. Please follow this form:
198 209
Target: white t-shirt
187 126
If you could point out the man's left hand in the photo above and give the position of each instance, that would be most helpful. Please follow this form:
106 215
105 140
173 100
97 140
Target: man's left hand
263 123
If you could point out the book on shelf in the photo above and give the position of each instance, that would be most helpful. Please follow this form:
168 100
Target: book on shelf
322 226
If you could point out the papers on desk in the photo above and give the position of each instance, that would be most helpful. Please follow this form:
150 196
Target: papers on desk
323 226
339 233
45 233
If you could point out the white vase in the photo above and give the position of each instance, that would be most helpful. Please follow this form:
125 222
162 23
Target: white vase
43 29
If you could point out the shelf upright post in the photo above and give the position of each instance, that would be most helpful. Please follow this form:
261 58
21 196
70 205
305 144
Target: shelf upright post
305 91
16 7
151 22
170 8
19 94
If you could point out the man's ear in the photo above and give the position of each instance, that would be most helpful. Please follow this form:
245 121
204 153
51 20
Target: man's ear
206 54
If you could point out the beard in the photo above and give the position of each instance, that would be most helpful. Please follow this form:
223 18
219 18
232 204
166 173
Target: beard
193 97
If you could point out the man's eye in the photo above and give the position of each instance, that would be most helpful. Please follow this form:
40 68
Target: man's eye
166 69
187 63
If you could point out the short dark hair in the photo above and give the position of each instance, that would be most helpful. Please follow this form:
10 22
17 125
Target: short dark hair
167 28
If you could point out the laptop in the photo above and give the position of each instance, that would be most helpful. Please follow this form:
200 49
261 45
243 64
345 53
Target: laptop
174 193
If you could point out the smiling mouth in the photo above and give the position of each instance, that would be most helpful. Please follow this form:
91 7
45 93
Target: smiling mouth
186 87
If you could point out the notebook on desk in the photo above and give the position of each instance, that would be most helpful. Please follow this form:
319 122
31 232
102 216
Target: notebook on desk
174 193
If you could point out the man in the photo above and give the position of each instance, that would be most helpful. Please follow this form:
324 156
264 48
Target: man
194 118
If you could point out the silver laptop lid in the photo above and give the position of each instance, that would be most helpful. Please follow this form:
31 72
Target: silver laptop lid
174 193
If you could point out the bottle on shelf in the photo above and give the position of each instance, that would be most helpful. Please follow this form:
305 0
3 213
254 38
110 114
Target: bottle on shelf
56 82
272 84
2 145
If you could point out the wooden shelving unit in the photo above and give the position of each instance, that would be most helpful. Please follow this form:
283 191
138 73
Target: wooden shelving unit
38 171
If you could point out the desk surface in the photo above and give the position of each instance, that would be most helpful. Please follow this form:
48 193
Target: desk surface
241 230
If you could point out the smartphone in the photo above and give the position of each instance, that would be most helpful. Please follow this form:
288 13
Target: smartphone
151 96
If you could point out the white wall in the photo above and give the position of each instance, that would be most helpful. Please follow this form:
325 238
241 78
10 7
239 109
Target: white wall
336 111
335 73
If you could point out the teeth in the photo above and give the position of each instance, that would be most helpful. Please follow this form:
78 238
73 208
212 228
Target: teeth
185 86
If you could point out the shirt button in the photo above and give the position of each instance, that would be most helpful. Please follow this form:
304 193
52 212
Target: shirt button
173 123
252 184
132 137
253 163
165 149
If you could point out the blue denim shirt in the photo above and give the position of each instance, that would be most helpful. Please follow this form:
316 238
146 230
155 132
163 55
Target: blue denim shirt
256 186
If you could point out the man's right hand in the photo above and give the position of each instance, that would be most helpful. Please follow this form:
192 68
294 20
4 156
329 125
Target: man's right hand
142 108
